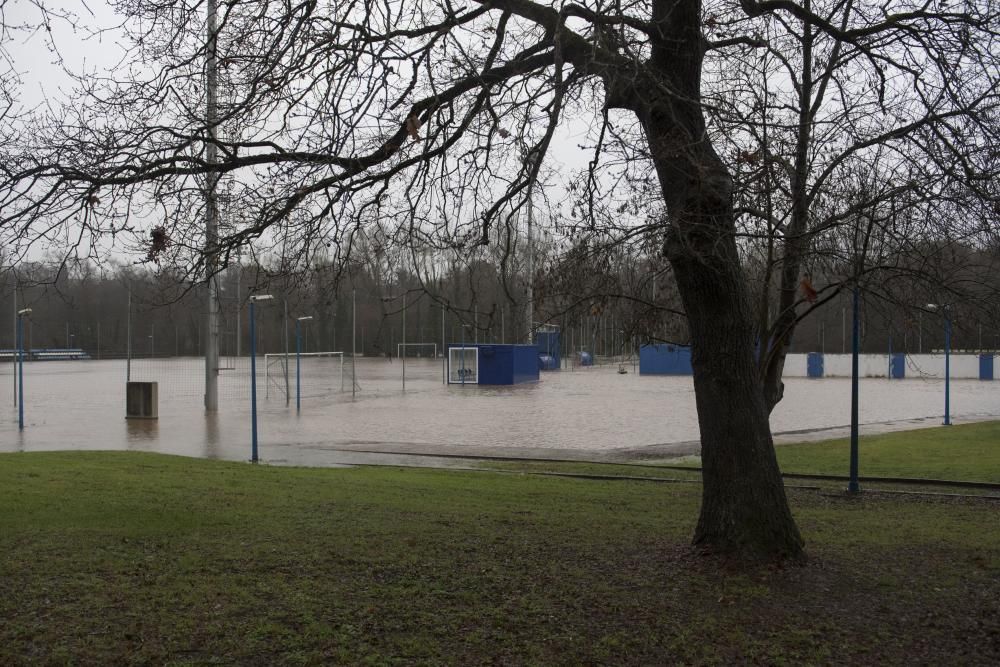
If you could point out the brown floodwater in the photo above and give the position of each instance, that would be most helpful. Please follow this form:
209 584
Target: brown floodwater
592 413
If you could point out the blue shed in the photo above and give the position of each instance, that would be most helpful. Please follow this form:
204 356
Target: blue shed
663 359
492 364
548 343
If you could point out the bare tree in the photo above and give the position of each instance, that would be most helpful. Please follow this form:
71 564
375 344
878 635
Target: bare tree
434 120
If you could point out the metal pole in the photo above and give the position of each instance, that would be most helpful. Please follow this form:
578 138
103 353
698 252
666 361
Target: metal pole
920 333
853 486
444 352
288 396
16 392
843 330
531 257
947 366
253 386
128 341
239 307
98 340
298 365
211 217
461 366
890 356
20 372
403 360
354 342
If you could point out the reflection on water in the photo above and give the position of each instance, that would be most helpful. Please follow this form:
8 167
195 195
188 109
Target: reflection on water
141 430
80 405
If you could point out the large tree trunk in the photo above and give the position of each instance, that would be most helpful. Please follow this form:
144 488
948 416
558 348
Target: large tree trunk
744 509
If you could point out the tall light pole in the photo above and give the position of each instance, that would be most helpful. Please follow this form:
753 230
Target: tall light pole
853 486
211 213
16 394
298 360
532 160
253 375
20 366
946 311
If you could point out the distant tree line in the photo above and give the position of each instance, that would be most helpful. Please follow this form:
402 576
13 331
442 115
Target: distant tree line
607 299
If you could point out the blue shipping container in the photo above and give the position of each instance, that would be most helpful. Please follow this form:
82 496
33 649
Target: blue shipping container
502 364
665 359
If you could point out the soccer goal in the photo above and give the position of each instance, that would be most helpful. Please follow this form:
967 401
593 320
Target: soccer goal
280 378
410 350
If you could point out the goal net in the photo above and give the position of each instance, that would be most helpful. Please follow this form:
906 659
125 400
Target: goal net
322 373
419 350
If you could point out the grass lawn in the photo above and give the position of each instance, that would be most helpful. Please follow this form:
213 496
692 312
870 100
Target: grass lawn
967 452
110 558
960 452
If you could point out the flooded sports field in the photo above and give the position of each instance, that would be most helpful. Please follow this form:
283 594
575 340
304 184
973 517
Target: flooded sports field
592 413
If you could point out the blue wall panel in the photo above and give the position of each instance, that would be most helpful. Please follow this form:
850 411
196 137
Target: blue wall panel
524 363
664 360
985 366
814 365
897 366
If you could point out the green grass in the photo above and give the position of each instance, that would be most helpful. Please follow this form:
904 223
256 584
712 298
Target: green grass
961 452
966 452
112 558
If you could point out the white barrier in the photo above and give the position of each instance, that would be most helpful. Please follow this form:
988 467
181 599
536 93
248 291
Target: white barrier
963 366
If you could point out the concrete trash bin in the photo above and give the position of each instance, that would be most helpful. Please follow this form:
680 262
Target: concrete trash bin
141 400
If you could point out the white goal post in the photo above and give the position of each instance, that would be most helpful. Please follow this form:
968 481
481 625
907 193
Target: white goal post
277 359
401 348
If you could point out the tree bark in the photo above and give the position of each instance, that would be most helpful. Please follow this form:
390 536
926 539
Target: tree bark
744 509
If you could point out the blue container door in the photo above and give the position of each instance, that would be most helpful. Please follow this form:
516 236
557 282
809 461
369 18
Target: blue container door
897 366
814 365
985 366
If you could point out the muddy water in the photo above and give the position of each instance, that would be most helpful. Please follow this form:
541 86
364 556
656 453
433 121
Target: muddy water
585 413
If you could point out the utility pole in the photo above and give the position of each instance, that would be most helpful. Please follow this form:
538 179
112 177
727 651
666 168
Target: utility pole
403 359
286 353
532 159
354 343
128 339
14 358
238 300
211 217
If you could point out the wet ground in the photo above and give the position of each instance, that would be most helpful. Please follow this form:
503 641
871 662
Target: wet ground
582 414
